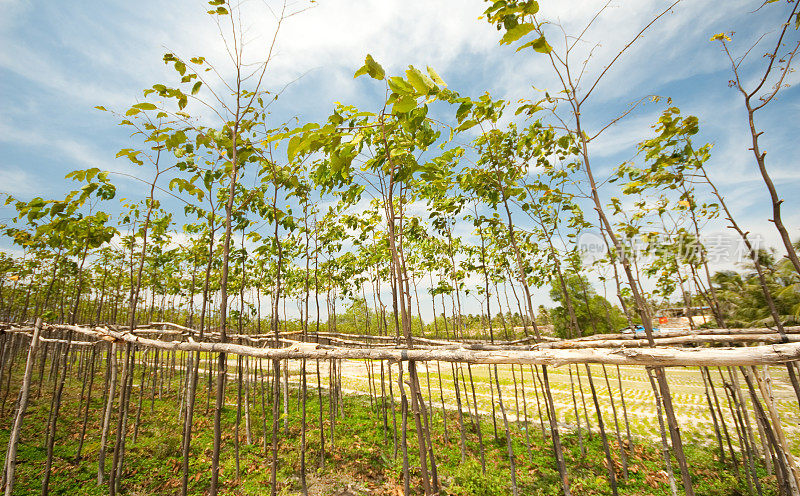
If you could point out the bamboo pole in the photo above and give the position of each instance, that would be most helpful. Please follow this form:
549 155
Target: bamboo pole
665 357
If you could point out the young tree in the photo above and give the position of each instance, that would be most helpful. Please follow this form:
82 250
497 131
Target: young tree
767 82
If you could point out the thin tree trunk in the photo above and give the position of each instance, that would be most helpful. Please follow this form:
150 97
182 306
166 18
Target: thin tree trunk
51 431
111 360
92 362
612 476
509 446
664 445
22 406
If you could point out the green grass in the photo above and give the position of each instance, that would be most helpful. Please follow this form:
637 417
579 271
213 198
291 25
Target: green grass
362 456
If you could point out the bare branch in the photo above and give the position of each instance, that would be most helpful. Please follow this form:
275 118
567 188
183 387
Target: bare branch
774 54
630 43
631 108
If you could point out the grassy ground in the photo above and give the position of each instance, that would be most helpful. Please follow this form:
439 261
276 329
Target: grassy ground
362 460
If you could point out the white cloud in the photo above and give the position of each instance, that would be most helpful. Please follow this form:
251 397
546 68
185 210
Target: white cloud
49 74
15 181
71 57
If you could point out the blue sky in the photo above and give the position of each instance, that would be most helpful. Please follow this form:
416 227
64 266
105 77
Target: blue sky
60 59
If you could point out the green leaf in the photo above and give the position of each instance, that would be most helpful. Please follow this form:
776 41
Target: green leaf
463 111
404 104
196 87
372 68
79 175
435 77
531 8
466 125
419 81
145 106
516 33
539 44
57 208
292 148
100 107
400 85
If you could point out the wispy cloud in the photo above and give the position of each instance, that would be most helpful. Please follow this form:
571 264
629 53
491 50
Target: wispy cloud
61 59
16 181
